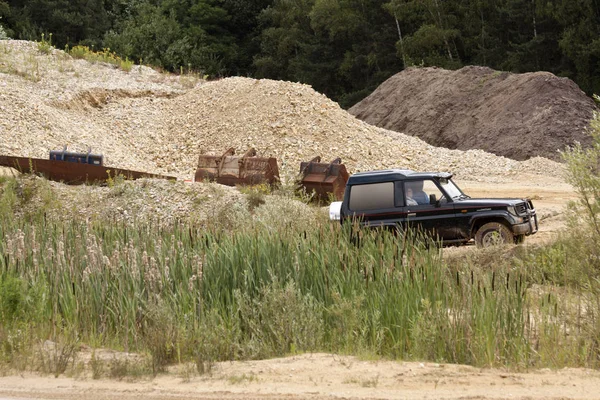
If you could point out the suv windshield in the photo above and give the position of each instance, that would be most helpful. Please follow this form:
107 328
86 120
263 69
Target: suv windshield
451 188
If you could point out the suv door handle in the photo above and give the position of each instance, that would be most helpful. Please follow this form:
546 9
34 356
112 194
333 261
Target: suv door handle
412 214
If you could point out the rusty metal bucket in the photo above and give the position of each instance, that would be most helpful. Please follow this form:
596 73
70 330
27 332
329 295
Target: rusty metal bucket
229 169
71 172
324 179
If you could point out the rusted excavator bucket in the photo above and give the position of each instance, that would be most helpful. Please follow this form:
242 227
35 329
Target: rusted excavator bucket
233 170
73 173
324 179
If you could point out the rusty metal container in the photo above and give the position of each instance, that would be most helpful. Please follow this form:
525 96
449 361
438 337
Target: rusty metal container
324 179
229 169
72 172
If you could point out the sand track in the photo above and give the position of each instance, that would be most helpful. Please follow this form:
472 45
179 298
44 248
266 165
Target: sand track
322 376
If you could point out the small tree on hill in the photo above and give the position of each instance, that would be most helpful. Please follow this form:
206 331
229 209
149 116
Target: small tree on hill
583 173
3 35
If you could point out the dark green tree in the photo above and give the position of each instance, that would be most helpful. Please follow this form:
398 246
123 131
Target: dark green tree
343 48
176 34
69 21
579 41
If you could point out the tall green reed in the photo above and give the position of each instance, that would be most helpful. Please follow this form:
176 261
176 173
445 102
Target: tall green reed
258 292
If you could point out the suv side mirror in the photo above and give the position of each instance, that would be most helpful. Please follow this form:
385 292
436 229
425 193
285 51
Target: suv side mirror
433 200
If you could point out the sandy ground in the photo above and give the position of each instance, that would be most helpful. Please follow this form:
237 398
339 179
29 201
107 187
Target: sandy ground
321 376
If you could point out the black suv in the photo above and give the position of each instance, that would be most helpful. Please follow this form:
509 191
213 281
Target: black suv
432 203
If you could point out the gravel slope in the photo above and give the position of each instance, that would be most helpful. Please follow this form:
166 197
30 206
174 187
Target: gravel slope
160 123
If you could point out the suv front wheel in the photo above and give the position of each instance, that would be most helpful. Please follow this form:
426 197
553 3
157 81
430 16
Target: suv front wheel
493 234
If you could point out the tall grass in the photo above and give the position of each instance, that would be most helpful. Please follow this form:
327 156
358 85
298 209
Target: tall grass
204 294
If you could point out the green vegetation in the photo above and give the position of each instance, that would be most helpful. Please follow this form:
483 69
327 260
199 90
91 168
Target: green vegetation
3 34
45 46
183 294
105 56
194 295
343 48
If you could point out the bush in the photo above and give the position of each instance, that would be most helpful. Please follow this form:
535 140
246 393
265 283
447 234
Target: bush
12 301
583 173
280 320
3 35
45 46
105 56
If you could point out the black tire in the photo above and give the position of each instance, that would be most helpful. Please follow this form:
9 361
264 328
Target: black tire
493 234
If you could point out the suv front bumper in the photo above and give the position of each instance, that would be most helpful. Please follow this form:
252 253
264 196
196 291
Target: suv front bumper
530 226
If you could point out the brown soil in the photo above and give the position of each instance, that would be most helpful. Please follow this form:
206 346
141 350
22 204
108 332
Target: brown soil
513 115
320 376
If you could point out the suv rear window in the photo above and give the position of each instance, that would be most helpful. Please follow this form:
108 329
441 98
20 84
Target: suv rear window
372 196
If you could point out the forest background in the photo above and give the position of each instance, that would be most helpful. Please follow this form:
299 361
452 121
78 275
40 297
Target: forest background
343 48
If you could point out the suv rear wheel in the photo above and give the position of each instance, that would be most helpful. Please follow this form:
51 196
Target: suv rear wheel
493 234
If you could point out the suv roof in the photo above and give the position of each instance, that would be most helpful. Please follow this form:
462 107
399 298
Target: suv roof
393 175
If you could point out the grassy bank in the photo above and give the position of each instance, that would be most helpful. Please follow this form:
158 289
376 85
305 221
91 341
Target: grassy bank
186 292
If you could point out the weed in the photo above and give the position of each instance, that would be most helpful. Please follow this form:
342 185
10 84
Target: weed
187 372
255 195
126 64
105 56
189 80
117 185
97 366
45 46
281 320
239 379
12 298
120 368
57 356
160 337
363 382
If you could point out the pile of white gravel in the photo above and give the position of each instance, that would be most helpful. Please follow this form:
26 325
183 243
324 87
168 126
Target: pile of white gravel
154 122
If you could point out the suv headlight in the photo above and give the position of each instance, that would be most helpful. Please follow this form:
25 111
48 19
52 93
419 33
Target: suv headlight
513 212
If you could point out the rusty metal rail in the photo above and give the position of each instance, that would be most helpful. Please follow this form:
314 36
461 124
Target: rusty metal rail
73 173
229 169
324 179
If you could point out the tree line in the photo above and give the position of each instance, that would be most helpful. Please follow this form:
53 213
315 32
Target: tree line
343 48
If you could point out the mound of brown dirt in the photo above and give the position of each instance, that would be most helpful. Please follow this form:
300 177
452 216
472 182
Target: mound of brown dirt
514 115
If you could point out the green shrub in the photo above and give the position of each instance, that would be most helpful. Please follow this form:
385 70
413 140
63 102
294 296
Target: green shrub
3 35
280 320
105 56
45 46
160 336
12 299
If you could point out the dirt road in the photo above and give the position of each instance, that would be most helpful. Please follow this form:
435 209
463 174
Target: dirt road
321 376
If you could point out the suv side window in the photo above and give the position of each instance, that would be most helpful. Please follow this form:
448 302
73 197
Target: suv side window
417 192
371 196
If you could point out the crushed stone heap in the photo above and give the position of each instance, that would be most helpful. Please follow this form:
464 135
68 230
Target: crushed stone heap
513 115
159 123
294 123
